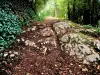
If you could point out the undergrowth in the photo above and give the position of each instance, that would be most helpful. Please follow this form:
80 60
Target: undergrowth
10 27
97 29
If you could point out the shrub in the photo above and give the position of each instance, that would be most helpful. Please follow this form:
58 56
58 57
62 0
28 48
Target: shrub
88 26
28 15
10 27
98 23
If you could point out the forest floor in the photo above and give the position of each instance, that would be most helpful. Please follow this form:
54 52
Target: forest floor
40 53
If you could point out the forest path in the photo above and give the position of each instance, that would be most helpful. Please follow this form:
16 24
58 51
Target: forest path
41 53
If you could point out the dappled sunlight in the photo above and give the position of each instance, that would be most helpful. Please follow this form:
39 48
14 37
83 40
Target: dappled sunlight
50 18
54 8
46 10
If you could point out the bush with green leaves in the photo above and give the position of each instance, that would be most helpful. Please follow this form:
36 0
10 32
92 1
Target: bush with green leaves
88 26
10 27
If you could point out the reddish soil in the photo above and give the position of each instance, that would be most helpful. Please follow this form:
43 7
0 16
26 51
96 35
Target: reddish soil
53 62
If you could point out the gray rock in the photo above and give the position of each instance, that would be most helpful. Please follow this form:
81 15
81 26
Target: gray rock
6 54
84 49
12 55
23 31
10 52
60 27
75 44
34 28
47 32
86 62
29 43
18 40
71 38
29 29
23 39
16 53
64 38
93 57
97 44
84 69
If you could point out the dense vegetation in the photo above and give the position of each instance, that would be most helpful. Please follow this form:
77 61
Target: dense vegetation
14 13
27 9
81 11
10 27
86 11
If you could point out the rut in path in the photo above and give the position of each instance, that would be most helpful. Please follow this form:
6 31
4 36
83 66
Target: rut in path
41 53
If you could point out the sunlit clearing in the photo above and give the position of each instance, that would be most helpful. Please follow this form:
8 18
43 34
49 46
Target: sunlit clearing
47 10
54 8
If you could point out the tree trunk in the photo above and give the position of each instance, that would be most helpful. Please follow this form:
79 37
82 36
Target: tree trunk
68 12
73 11
55 9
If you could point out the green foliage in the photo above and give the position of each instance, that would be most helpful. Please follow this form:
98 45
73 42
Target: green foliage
43 14
38 4
80 11
96 29
98 23
28 15
32 14
88 26
10 27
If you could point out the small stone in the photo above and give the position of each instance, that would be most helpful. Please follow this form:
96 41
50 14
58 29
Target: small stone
22 39
72 53
85 70
46 42
29 43
42 73
98 67
26 42
16 53
6 54
44 50
71 64
70 71
10 52
41 43
12 55
24 31
27 73
38 24
55 65
60 27
28 29
18 40
47 32
40 40
37 47
5 62
64 38
80 66
97 44
85 62
34 28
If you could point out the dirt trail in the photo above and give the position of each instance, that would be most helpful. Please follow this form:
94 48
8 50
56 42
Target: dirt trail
41 53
